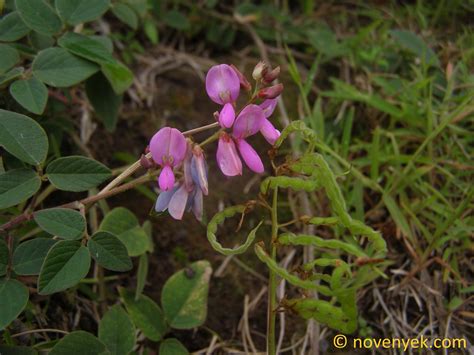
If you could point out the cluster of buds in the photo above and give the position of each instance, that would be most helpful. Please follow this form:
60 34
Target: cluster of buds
170 150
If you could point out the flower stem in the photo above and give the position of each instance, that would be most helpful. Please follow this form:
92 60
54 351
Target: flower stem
272 282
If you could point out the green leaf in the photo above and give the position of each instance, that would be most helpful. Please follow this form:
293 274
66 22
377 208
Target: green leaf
40 41
79 343
151 30
8 57
75 12
103 99
109 252
29 256
146 315
119 76
12 27
126 14
4 256
13 299
17 186
184 296
142 274
39 16
32 94
123 223
117 331
11 75
172 346
23 137
17 350
76 173
59 68
65 265
177 20
86 47
62 222
414 44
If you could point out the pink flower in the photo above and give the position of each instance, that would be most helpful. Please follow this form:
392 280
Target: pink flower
227 116
248 122
250 156
269 132
222 84
168 149
268 106
227 157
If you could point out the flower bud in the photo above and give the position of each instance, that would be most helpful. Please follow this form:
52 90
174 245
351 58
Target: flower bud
244 83
260 70
145 162
271 75
270 92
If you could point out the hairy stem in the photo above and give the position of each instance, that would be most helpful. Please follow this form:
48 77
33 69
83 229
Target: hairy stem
272 282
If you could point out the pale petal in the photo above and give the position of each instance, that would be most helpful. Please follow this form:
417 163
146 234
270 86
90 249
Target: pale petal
178 203
227 157
164 199
248 122
199 172
250 156
198 205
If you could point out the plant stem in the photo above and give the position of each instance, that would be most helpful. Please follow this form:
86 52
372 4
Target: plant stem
272 282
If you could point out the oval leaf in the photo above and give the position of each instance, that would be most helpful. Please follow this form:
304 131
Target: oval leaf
39 16
75 12
59 68
29 256
32 94
123 223
126 14
17 186
184 296
117 331
13 298
79 343
76 173
146 315
118 75
109 252
86 47
4 255
23 137
173 346
8 58
11 75
12 27
65 265
62 222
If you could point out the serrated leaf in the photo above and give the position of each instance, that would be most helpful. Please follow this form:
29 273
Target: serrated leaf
75 12
123 223
119 76
86 47
39 16
59 68
9 56
32 94
17 186
29 256
65 265
62 222
79 343
184 296
76 173
12 27
145 314
117 331
13 299
109 252
4 256
104 100
23 137
125 14
172 346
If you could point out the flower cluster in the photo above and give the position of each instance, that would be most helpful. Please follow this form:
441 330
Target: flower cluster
170 149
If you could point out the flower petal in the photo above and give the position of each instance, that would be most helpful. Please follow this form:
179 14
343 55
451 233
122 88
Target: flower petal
227 116
168 146
227 157
164 199
250 156
198 204
270 133
248 122
166 178
178 203
199 171
268 106
222 84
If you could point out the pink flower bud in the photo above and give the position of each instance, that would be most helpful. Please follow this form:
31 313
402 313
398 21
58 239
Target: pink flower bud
269 76
260 70
227 157
222 84
145 162
250 156
227 116
270 92
244 83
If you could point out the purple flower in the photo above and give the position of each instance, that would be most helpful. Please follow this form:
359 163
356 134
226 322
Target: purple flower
250 156
227 116
222 84
168 149
269 132
248 122
268 106
199 169
227 156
